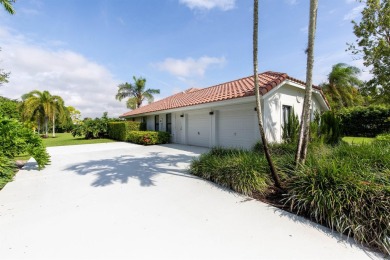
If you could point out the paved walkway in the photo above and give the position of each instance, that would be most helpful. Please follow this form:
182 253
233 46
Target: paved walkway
123 201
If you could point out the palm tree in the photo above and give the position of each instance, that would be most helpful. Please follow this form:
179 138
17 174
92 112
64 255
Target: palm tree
274 173
136 93
342 87
42 106
8 5
303 140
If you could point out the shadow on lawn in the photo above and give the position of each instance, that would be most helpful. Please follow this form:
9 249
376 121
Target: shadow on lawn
125 167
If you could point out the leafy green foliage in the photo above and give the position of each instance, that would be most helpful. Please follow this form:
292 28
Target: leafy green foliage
373 43
347 189
330 131
9 108
342 88
365 121
7 4
383 138
120 130
16 139
243 171
92 128
7 170
291 128
137 93
148 137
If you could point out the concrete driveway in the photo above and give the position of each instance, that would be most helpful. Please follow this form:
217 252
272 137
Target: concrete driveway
124 201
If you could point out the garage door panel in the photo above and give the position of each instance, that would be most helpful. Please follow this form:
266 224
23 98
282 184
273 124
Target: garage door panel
236 129
199 129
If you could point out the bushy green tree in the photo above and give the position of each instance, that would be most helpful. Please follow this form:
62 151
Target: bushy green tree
373 44
291 128
9 108
93 128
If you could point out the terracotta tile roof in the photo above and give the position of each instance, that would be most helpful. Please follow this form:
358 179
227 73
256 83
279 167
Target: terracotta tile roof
230 90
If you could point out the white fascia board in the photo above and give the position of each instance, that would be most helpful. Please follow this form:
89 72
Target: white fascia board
211 106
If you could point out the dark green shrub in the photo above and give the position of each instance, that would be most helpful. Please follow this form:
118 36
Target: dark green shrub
92 128
16 139
365 121
291 128
7 170
330 128
346 188
120 130
239 170
148 137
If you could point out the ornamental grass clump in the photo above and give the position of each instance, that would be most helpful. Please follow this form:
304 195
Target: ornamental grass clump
347 190
239 170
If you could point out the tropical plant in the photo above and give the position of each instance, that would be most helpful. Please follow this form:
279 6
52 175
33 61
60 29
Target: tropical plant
42 106
304 131
373 44
7 4
342 88
9 108
274 173
291 128
92 128
137 93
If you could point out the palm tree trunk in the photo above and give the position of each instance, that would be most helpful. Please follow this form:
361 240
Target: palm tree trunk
303 140
274 173
39 125
46 126
54 120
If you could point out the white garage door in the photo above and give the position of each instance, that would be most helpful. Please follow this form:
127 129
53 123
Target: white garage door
236 128
199 129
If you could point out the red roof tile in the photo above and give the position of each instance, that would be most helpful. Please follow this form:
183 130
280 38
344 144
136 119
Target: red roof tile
230 90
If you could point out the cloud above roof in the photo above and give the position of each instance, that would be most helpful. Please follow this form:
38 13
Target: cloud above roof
223 5
189 67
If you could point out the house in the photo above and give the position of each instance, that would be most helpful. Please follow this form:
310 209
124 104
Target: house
225 114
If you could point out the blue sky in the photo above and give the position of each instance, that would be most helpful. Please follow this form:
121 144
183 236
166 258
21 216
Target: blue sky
82 50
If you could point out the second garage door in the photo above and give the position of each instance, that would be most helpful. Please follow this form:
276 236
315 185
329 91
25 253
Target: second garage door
199 129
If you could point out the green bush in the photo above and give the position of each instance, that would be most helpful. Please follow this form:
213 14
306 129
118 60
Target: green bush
239 170
7 170
16 139
92 128
148 137
383 138
365 121
347 189
291 129
120 130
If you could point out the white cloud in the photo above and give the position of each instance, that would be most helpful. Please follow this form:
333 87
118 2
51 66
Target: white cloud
209 4
350 1
291 2
355 12
189 67
84 84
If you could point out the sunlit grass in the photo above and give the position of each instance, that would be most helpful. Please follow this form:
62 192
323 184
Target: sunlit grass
358 140
62 139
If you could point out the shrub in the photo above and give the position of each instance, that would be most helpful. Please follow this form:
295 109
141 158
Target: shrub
348 190
16 139
7 170
148 137
291 128
330 128
92 128
365 121
120 130
239 170
383 138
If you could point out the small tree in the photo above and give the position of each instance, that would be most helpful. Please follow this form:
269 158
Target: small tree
291 128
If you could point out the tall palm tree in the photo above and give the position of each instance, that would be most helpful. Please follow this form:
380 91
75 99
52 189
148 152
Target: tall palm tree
274 173
8 5
342 87
42 106
136 93
303 140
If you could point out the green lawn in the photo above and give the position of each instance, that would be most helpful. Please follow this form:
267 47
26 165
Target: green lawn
68 139
357 140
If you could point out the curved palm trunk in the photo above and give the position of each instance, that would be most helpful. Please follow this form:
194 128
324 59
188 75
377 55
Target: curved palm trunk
303 140
46 126
274 173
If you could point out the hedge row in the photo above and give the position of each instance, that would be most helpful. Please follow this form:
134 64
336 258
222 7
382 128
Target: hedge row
148 137
365 121
120 130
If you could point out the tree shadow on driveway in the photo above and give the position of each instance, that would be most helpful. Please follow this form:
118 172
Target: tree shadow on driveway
123 168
